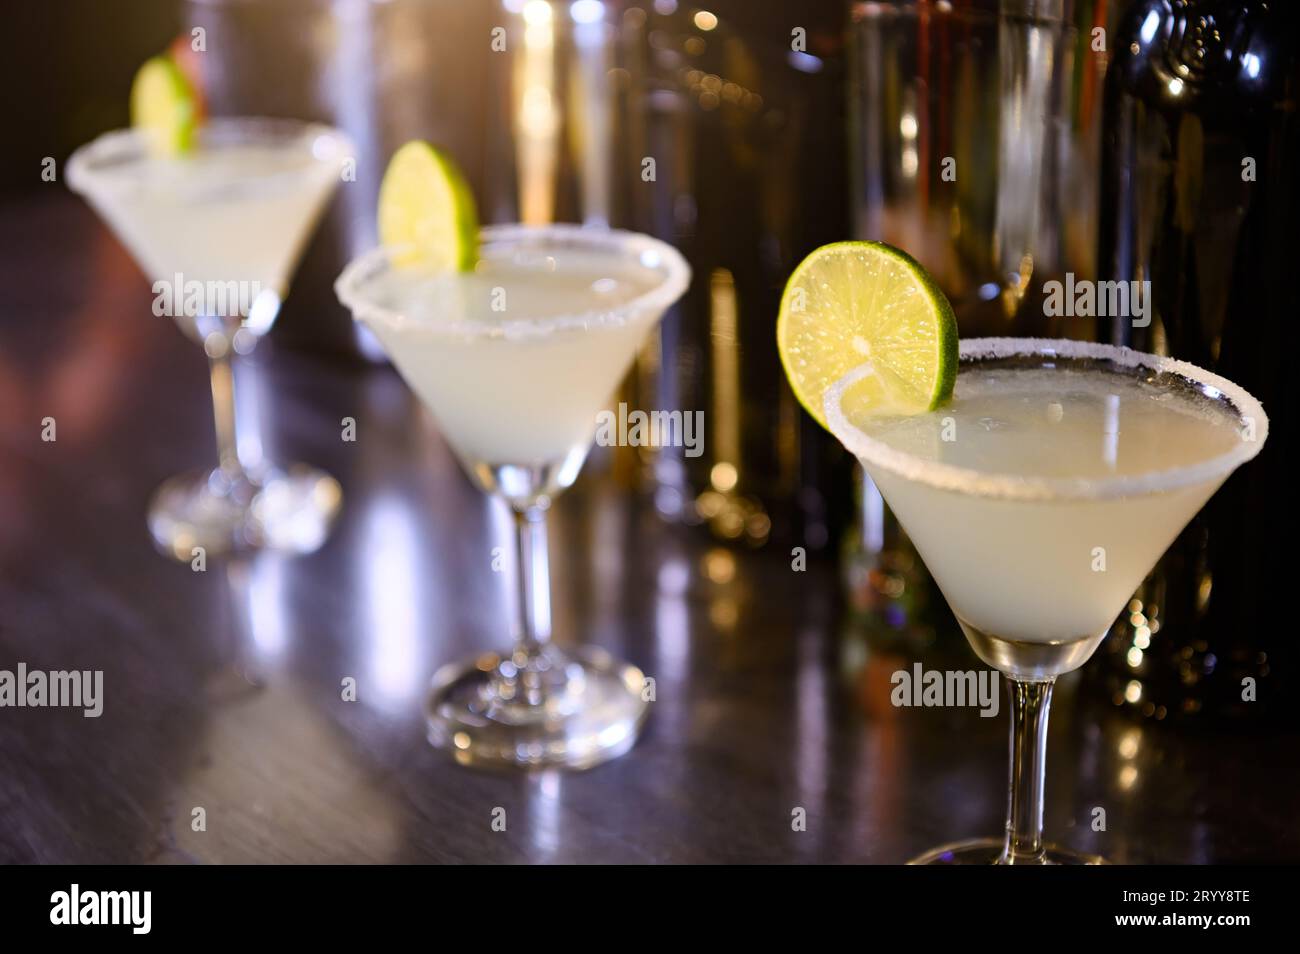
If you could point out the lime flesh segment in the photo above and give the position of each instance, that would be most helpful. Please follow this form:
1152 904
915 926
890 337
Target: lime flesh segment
163 105
426 210
854 303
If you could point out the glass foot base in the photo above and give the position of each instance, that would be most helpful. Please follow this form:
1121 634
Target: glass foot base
988 851
283 510
556 710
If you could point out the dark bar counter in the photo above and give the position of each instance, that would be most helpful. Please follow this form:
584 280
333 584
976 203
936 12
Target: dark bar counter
225 735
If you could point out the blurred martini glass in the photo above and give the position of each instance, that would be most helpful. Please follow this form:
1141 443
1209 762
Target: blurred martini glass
221 227
516 359
1039 498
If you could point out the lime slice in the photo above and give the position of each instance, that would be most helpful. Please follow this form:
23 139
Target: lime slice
427 210
163 105
190 62
854 303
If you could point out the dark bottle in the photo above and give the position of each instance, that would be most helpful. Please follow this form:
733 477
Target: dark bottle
742 104
1200 196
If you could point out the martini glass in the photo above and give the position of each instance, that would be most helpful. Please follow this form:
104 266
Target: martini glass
219 232
515 360
1039 498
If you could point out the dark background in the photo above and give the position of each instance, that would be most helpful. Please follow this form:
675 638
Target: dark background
65 74
66 65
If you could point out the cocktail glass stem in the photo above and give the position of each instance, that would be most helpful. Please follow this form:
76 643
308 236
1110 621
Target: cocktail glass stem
537 705
245 502
1030 701
533 629
221 368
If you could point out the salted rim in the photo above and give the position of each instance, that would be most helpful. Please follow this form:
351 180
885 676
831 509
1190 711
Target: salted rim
351 290
84 177
966 480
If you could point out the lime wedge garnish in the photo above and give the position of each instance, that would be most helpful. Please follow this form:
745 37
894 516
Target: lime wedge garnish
163 104
856 303
427 210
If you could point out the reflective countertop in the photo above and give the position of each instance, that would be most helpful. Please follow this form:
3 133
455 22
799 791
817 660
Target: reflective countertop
222 688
